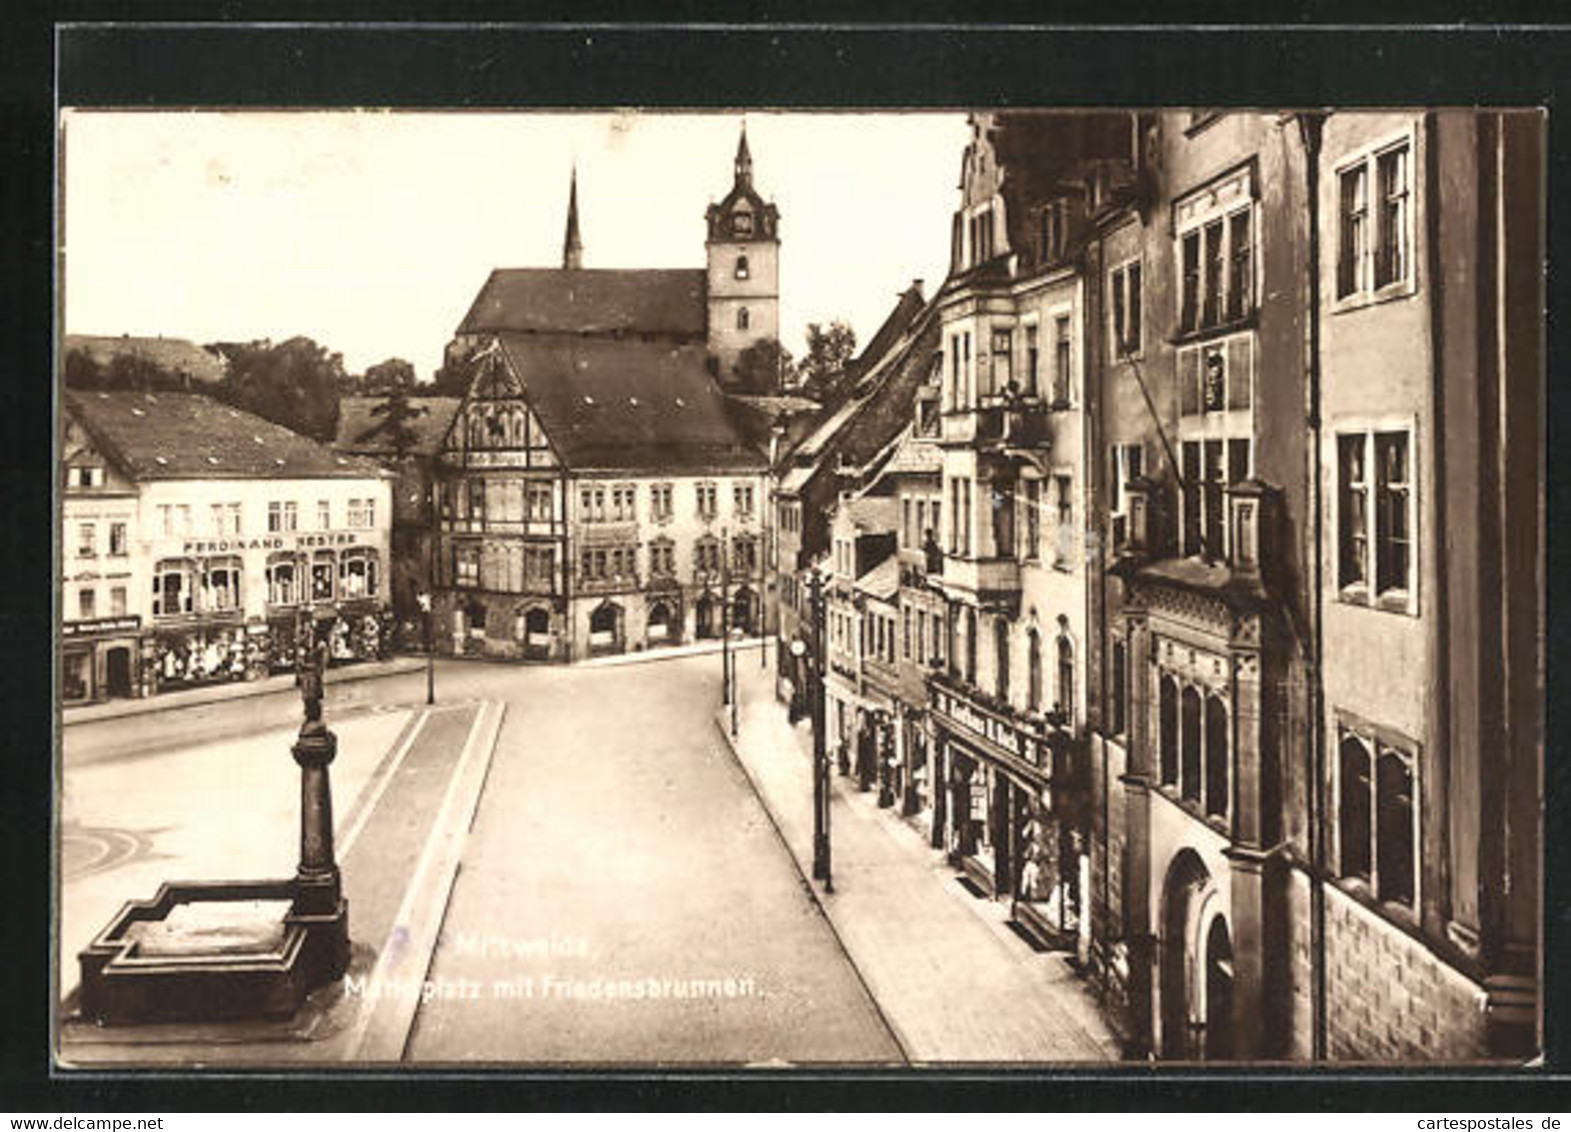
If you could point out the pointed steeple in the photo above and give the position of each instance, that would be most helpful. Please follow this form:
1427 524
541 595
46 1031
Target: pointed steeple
572 245
744 162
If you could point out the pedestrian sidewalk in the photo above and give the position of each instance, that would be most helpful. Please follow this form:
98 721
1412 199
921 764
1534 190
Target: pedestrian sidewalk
215 693
747 646
954 983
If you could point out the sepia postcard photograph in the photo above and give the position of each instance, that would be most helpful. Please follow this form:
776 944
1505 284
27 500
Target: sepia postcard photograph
764 588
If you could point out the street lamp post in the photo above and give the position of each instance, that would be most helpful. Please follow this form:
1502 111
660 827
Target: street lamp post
735 691
725 626
822 869
430 652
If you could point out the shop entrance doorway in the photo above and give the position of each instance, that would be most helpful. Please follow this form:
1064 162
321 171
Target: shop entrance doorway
117 671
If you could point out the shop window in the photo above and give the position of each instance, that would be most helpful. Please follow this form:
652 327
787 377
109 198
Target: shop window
76 675
357 571
283 580
117 540
173 583
322 576
1189 742
1168 729
1216 757
86 603
221 584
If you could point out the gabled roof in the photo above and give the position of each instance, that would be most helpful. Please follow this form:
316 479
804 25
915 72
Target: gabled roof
906 308
362 430
916 455
883 580
177 355
173 436
590 301
610 403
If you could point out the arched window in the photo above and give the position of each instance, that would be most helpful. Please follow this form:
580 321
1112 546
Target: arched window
741 267
1189 729
221 583
742 318
1216 756
1034 672
1066 676
357 573
1353 825
173 583
283 579
1168 714
1001 658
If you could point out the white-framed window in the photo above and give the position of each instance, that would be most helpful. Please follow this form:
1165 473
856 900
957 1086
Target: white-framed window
1376 518
117 601
362 513
85 475
1215 233
1124 300
1128 463
282 515
1003 359
86 603
466 564
660 497
357 573
1377 814
742 500
1063 361
221 584
1031 380
324 514
1375 221
174 582
1209 465
117 540
283 580
86 540
708 496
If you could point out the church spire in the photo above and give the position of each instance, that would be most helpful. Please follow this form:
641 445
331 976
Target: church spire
744 162
572 245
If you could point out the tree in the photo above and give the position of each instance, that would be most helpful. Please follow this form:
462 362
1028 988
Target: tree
396 413
828 351
125 371
385 376
763 368
295 383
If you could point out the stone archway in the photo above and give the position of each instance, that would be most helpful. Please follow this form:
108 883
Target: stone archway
743 608
605 628
1183 893
1219 1044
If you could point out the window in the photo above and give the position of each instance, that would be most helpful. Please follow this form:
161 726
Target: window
466 564
742 500
539 567
1003 371
86 604
1064 550
1374 257
1119 690
905 632
224 518
282 516
906 534
1216 757
742 223
1034 671
357 573
1128 464
1168 729
1051 237
1061 360
117 601
322 575
741 267
1376 831
1033 523
938 637
624 498
172 587
706 555
660 501
283 580
744 553
1032 361
324 514
708 500
662 557
85 475
1066 676
1209 466
1189 747
362 512
1376 543
221 584
117 540
1126 301
1001 658
1216 264
742 318
86 540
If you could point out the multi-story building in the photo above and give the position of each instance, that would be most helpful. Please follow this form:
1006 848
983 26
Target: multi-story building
202 543
595 494
861 565
1008 711
1294 851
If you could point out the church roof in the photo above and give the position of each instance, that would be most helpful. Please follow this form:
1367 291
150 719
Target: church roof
610 403
179 436
590 301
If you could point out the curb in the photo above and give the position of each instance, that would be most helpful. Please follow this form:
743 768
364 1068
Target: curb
722 722
224 693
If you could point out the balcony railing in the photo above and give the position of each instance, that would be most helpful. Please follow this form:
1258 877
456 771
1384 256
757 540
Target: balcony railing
1000 424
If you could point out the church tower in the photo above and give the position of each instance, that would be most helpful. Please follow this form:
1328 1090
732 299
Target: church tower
743 249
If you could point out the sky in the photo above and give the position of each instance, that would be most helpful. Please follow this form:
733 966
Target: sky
371 231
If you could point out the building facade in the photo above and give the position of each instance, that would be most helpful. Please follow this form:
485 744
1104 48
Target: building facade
204 544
